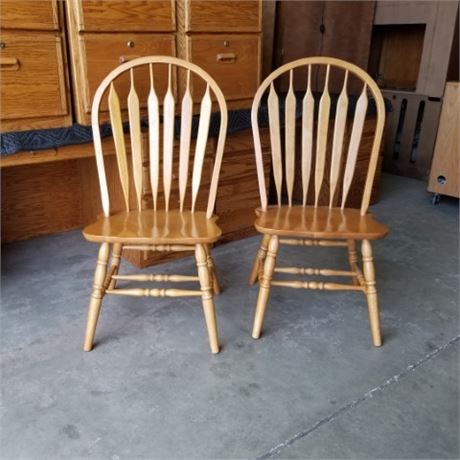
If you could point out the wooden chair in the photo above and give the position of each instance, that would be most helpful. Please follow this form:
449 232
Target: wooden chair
324 226
162 228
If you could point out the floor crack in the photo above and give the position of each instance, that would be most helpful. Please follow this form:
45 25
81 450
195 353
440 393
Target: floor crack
369 394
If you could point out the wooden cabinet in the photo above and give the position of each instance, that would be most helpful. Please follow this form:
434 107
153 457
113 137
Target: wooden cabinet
34 89
230 16
230 60
339 29
125 16
30 15
104 34
224 38
444 176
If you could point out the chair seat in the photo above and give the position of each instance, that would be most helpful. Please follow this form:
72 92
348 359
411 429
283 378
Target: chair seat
154 227
320 222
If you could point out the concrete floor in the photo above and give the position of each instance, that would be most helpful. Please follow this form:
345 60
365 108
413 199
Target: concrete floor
312 387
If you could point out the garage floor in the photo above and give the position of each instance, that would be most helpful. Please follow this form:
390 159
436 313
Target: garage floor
312 387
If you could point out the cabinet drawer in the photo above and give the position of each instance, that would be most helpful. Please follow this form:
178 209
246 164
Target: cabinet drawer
127 15
32 76
29 14
223 16
103 52
232 60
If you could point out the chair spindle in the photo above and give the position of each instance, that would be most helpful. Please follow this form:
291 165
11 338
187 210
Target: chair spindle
355 140
275 140
185 136
289 123
321 141
154 138
308 107
168 138
119 141
337 142
136 141
201 141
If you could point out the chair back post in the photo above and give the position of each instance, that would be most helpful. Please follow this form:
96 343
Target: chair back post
134 117
323 122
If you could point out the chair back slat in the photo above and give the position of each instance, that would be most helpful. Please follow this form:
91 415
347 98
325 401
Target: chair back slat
308 109
154 138
200 149
162 121
337 141
119 141
324 168
275 139
289 123
355 140
136 141
168 138
185 137
321 141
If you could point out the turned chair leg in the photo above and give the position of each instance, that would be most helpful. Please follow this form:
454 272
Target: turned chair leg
95 301
115 264
371 292
204 275
259 260
212 270
353 259
264 285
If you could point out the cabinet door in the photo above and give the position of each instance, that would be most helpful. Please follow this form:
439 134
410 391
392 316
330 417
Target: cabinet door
298 35
223 16
32 76
232 60
101 53
127 15
347 35
29 14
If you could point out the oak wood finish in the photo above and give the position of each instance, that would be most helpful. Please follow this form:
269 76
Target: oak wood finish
30 15
322 226
320 222
97 294
179 226
129 15
33 50
234 16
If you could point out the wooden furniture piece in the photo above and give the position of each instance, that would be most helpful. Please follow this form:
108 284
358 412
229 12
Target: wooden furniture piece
32 51
107 33
305 224
322 28
414 50
444 175
224 38
221 37
170 224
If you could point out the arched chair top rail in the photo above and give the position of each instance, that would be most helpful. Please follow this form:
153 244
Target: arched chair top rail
154 60
149 60
328 62
323 60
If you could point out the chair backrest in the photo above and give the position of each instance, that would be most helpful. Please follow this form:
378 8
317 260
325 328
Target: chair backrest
160 131
340 172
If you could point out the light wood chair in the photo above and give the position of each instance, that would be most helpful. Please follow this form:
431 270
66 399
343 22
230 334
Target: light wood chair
313 225
162 228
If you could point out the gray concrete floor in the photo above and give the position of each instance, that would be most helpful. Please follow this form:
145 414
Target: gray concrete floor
311 387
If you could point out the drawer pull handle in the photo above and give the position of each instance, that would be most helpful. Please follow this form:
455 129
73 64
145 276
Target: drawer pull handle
126 58
226 57
9 63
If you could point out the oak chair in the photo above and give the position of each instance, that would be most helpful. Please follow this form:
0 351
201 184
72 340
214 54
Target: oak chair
307 224
168 225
